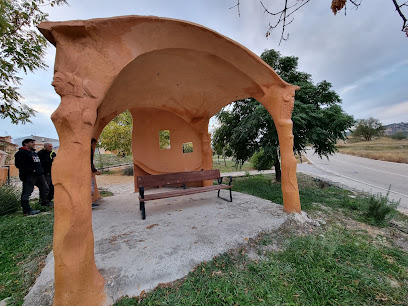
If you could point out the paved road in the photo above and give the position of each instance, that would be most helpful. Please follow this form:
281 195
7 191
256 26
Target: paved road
364 174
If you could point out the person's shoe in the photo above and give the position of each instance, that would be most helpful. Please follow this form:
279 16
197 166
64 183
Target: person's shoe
32 212
94 205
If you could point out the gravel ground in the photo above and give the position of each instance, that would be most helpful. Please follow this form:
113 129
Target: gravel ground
118 184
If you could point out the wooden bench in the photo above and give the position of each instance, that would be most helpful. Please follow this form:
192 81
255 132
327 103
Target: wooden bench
180 178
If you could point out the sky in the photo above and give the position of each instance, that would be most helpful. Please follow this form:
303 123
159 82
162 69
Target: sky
363 54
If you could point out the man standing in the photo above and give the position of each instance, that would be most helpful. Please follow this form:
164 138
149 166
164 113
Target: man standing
31 173
94 170
47 156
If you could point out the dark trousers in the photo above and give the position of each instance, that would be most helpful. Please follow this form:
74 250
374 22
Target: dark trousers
28 186
48 179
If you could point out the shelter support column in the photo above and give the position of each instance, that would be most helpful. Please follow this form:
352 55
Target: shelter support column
77 280
279 101
201 126
207 156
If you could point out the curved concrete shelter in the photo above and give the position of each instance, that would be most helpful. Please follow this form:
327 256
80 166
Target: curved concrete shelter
172 75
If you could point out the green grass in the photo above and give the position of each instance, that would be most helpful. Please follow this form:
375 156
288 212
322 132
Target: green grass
229 165
337 267
314 193
24 244
105 160
9 199
310 191
105 193
315 266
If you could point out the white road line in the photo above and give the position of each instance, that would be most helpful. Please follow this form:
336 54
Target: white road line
358 181
368 167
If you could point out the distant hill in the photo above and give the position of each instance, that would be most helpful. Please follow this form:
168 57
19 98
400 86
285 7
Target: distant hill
393 128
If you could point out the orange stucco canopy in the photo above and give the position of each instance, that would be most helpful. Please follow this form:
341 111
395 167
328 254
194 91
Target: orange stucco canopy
163 70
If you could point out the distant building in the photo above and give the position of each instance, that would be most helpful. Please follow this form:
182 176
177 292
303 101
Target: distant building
39 141
7 145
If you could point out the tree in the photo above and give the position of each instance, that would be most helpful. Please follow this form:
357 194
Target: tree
164 139
117 134
368 128
22 48
284 16
318 119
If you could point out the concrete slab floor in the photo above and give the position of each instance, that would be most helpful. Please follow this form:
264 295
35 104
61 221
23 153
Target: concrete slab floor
134 254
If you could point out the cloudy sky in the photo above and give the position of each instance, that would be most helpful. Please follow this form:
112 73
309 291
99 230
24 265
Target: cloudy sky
364 54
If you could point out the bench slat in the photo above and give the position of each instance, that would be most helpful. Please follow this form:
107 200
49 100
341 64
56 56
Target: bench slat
180 192
177 178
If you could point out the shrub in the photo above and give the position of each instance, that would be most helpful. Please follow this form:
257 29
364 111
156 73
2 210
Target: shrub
128 170
9 199
379 208
399 136
261 161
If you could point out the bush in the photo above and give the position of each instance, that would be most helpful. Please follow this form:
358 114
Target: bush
261 161
9 199
379 208
128 170
399 136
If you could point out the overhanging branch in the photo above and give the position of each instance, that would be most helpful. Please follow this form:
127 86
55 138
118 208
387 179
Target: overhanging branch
281 17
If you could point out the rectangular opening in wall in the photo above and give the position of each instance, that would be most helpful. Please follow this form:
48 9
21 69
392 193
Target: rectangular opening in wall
164 139
188 147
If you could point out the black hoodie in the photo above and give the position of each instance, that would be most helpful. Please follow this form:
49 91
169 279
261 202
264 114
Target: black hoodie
28 163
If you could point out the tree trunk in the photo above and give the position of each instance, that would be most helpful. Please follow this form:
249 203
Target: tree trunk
276 164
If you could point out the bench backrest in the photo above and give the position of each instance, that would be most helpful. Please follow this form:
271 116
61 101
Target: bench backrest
177 178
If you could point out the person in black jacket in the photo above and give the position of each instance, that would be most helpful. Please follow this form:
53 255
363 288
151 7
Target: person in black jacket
94 170
31 173
47 156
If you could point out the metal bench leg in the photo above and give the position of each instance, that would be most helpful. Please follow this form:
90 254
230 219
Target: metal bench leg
230 189
141 203
142 210
230 197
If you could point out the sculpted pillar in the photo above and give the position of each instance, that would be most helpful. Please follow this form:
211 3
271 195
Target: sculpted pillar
201 126
77 280
279 101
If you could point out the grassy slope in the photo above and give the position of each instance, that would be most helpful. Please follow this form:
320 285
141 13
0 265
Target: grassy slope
382 149
25 242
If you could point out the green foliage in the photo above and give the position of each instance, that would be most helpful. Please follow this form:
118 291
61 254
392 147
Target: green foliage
261 161
368 128
128 171
9 199
220 142
318 119
399 136
22 48
379 208
117 134
24 244
188 147
164 139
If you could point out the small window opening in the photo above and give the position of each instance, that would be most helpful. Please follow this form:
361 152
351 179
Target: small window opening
164 139
188 147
